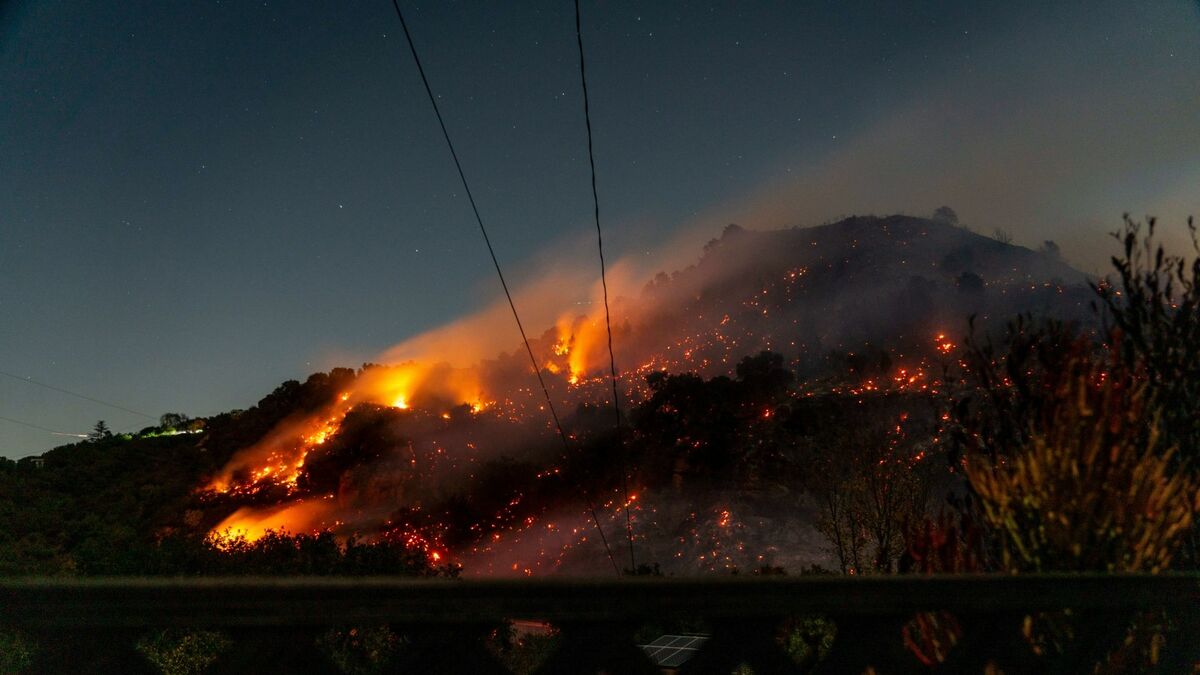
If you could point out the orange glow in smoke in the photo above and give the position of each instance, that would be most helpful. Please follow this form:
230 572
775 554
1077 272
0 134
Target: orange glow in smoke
252 524
579 338
278 458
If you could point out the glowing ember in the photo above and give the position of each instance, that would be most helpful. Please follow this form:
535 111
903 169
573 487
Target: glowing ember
943 344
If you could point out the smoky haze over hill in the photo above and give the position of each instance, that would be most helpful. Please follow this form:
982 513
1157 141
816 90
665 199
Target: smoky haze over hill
887 281
892 282
395 446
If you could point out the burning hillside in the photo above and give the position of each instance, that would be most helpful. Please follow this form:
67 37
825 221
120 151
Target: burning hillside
457 457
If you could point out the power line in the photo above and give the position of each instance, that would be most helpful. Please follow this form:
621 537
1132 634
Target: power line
41 428
612 359
77 395
495 262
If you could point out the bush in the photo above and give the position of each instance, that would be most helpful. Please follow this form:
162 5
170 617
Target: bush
16 653
1154 307
1091 490
522 653
176 652
361 650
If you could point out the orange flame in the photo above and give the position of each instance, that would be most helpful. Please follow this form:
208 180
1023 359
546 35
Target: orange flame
253 523
579 340
277 459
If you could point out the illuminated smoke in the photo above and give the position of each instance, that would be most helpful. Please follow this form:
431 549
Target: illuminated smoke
460 396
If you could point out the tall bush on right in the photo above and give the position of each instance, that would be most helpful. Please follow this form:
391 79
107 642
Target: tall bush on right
1092 490
1153 307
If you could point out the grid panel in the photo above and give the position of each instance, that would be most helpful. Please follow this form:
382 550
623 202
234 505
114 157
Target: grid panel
672 651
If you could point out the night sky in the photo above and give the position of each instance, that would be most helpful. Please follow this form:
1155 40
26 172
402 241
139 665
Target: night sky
199 200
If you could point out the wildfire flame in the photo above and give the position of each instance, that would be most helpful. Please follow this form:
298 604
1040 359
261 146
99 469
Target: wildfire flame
574 352
278 458
252 523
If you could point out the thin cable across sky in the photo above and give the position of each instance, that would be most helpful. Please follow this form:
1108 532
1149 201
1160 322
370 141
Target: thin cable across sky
68 392
499 273
612 359
31 425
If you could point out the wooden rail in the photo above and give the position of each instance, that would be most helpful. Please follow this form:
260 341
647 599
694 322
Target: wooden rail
598 617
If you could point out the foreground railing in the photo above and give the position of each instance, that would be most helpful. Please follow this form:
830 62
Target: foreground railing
90 625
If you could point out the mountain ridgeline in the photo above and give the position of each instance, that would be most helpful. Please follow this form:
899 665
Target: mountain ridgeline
890 282
715 449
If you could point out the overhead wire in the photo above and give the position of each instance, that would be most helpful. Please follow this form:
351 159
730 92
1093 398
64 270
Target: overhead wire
41 428
499 273
612 360
28 380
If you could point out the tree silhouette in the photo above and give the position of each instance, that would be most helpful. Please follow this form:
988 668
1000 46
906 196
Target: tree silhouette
945 215
172 420
100 431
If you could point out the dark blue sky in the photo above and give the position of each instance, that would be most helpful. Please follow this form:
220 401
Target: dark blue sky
201 199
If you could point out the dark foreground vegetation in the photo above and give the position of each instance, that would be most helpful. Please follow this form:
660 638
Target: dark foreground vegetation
1051 447
827 624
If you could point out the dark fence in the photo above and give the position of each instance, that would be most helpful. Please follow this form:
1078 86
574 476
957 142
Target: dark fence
1074 621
